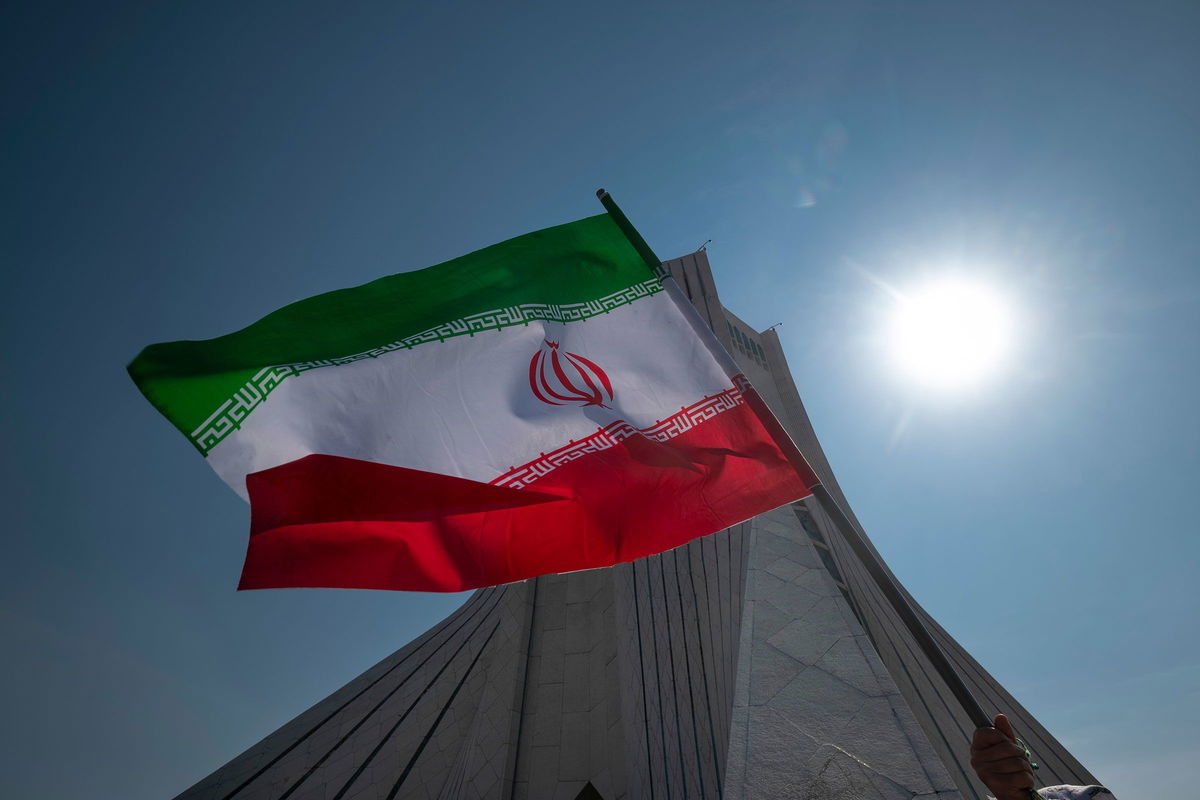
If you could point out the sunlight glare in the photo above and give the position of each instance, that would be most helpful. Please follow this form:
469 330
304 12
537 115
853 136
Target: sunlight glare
950 334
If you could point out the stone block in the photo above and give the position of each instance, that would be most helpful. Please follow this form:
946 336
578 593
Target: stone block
574 750
884 746
576 683
769 671
817 581
767 620
787 597
807 639
580 631
550 647
787 570
551 602
545 713
775 760
845 660
839 776
819 703
583 586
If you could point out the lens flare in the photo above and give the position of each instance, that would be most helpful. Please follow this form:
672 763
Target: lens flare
950 334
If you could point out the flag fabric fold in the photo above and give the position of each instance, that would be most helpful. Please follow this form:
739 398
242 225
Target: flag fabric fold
546 404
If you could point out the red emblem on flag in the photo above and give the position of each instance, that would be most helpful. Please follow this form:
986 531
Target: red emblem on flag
567 379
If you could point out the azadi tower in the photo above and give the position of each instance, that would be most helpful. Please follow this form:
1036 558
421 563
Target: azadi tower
760 662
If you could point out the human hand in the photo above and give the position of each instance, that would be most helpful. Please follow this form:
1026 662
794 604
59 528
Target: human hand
1000 762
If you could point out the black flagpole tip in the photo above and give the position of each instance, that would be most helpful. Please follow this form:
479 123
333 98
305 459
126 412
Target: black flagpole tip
601 193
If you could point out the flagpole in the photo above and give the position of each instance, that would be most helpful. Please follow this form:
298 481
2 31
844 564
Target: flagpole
883 579
635 238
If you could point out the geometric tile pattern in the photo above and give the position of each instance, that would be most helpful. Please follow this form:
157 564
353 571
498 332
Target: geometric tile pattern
815 712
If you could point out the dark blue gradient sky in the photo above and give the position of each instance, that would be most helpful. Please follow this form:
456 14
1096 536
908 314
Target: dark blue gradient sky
177 170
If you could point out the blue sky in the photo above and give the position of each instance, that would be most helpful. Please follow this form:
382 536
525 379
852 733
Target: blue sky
177 171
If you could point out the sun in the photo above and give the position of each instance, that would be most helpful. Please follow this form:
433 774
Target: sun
950 334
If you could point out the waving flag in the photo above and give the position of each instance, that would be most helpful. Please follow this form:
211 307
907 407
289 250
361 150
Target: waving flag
546 404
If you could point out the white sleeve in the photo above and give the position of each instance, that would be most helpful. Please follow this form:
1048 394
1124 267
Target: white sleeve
1076 793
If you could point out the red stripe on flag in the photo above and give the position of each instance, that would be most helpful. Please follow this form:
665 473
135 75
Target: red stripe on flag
339 522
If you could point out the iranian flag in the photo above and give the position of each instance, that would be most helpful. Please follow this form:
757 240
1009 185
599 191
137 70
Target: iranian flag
547 404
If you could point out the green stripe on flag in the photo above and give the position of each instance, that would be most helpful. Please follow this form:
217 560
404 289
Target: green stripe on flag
566 273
